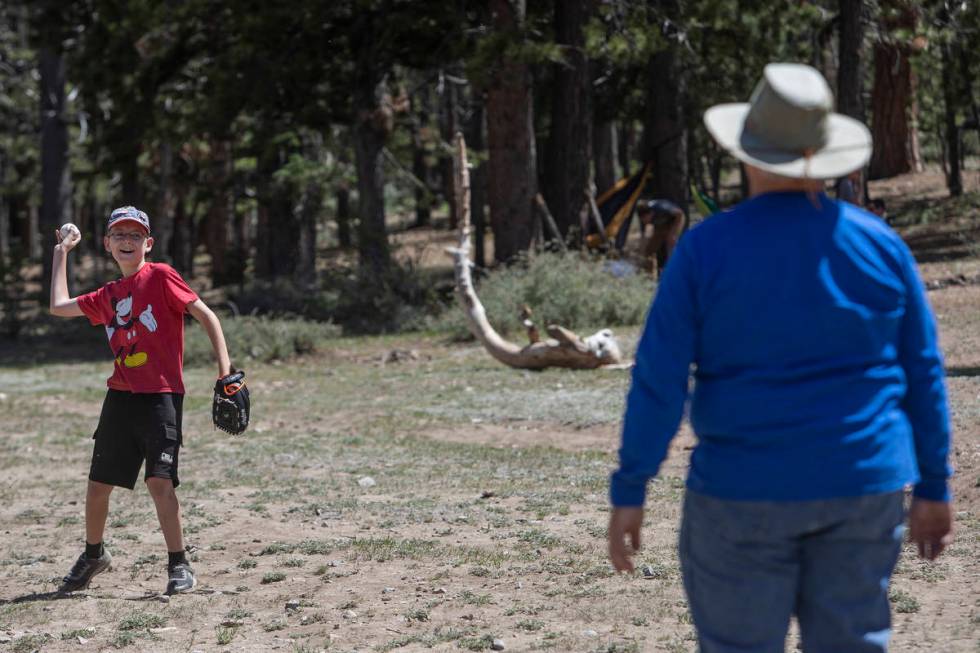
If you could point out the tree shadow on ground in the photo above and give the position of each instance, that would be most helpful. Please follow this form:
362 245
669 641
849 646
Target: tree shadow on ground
938 246
42 596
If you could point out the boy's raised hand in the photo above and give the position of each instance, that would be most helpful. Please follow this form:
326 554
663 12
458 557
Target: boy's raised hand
66 244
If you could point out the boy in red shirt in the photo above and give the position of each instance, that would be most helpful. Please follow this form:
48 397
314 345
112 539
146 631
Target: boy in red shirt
143 315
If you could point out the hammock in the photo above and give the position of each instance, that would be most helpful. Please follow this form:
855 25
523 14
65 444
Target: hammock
705 205
616 207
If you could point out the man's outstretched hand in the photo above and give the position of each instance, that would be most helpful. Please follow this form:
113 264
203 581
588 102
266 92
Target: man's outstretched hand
930 526
624 522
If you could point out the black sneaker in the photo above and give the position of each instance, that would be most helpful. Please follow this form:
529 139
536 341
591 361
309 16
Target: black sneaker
84 570
180 579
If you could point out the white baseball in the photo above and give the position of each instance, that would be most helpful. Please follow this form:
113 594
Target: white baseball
67 229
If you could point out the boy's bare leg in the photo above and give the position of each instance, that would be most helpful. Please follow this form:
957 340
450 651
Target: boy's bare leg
96 511
168 511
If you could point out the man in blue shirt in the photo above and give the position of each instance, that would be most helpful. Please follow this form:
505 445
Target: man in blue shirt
818 392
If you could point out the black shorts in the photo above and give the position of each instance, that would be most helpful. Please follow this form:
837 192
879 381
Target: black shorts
135 427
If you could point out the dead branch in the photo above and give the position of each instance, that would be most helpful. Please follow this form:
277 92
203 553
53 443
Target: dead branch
563 349
542 207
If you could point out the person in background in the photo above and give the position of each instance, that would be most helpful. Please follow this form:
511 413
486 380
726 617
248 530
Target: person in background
666 223
849 188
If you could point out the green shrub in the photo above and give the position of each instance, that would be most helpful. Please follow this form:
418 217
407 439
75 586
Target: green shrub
358 301
258 338
574 290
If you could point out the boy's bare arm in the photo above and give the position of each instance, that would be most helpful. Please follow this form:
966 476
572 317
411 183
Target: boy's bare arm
61 303
200 312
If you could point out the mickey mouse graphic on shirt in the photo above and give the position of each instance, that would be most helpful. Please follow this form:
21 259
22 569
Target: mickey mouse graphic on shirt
124 334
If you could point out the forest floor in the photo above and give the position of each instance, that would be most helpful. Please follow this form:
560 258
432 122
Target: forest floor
406 493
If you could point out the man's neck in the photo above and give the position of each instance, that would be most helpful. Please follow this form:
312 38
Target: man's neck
761 182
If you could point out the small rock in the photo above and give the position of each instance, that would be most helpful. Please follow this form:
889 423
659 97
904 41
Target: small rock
292 605
232 623
497 645
648 572
3 398
366 481
81 640
388 590
165 629
439 590
519 585
590 633
350 614
334 563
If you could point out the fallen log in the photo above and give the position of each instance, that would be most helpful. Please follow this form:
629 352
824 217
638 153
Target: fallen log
563 348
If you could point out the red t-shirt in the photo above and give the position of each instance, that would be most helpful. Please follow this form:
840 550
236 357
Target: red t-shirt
143 316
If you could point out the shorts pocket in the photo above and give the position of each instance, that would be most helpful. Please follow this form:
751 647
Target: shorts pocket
171 434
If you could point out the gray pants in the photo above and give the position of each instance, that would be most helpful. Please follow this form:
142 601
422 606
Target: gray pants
749 566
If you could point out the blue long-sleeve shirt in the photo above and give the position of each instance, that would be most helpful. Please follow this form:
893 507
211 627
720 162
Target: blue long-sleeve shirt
817 372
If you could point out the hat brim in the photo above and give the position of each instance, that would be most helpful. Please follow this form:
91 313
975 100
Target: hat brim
133 220
848 146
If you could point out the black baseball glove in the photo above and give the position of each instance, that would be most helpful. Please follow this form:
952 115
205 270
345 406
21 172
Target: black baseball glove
230 408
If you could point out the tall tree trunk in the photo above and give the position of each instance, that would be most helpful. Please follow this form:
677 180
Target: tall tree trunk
664 133
343 215
373 124
569 153
309 207
33 237
476 143
276 235
893 120
129 171
954 178
183 238
512 168
4 214
449 122
218 218
893 123
849 71
163 222
240 250
627 142
421 153
55 173
605 154
370 134
308 212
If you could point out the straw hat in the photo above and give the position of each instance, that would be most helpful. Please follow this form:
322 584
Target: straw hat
788 127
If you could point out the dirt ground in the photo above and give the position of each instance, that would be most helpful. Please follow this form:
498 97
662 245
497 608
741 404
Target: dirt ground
438 502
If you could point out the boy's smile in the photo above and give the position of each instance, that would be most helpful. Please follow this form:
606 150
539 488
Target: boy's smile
128 246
